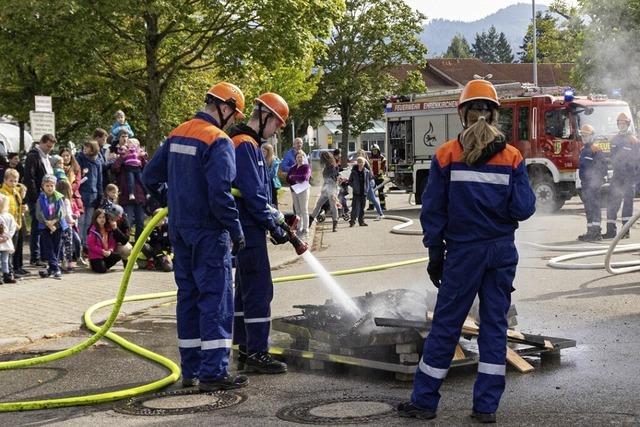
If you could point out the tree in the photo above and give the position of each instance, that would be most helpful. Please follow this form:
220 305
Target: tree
608 59
558 39
492 47
137 53
368 38
503 50
458 48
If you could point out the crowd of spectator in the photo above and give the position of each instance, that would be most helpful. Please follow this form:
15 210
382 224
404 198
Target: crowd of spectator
81 207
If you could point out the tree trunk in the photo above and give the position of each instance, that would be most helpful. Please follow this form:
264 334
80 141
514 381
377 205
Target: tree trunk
153 91
345 115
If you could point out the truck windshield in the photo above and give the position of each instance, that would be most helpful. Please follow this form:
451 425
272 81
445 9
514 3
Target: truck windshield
603 118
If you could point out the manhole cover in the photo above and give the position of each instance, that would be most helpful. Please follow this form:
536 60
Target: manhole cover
347 410
180 402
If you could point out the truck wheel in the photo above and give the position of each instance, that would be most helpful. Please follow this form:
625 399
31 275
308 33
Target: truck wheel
547 197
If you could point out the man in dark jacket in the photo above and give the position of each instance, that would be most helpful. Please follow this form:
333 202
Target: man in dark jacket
36 166
359 180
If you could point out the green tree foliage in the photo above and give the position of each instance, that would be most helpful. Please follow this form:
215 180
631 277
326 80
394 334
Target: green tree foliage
559 37
458 48
367 39
491 47
154 59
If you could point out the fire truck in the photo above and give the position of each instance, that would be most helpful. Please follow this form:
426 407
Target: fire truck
542 123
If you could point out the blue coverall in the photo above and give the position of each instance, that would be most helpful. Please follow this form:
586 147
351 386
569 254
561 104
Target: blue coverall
624 159
254 287
197 162
474 211
593 169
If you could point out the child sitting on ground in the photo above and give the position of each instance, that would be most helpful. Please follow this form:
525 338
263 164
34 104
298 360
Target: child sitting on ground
157 250
7 230
102 243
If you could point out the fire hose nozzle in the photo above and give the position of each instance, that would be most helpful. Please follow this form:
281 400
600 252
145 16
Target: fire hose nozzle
291 223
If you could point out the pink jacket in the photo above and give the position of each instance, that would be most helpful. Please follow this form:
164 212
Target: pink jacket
94 243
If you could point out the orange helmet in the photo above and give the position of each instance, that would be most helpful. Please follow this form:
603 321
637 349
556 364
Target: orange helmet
479 89
276 104
622 117
229 94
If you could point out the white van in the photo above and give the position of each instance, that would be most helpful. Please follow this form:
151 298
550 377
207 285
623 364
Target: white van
10 139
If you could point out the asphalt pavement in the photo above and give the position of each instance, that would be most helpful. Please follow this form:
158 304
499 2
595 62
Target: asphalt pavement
595 383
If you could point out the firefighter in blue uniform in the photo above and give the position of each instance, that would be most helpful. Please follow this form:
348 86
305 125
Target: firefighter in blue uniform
254 288
593 170
192 173
477 192
624 160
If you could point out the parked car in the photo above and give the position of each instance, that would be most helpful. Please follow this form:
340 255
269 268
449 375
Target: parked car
353 157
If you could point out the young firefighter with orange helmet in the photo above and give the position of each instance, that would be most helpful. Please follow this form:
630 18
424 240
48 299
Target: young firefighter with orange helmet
476 194
191 173
593 169
254 288
625 156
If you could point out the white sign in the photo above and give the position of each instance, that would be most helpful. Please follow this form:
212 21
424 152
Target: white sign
42 123
310 135
43 104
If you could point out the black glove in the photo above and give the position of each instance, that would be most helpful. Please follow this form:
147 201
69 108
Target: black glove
436 264
237 245
278 236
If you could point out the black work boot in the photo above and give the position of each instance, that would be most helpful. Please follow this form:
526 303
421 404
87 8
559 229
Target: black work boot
264 363
611 231
242 357
483 418
8 278
409 410
229 382
189 382
335 226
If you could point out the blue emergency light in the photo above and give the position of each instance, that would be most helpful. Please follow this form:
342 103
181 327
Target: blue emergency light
569 94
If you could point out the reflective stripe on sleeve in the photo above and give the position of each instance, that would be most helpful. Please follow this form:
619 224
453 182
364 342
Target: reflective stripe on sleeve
182 149
213 344
238 314
431 371
491 369
257 320
482 177
192 343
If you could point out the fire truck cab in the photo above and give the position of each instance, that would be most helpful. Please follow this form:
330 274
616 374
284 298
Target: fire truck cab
540 123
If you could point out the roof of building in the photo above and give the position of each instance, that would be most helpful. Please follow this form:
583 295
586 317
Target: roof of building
445 72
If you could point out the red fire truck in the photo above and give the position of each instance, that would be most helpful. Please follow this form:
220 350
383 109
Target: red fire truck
542 123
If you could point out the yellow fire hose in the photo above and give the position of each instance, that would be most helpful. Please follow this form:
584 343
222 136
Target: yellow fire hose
103 331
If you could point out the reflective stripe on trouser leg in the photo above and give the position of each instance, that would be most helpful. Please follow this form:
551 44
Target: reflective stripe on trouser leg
210 263
187 314
592 206
255 289
463 270
495 299
239 334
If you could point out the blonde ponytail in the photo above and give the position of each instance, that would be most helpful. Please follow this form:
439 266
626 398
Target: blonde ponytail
477 136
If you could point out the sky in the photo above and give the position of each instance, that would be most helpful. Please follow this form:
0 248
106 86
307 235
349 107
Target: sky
465 10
